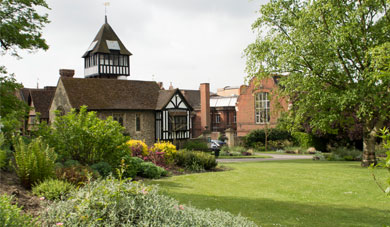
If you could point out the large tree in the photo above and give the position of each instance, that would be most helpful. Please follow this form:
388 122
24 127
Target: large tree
21 25
334 51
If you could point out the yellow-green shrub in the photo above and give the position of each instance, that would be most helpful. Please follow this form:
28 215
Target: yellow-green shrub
138 148
167 148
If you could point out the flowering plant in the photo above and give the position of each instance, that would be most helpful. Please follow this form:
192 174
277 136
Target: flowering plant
138 148
166 148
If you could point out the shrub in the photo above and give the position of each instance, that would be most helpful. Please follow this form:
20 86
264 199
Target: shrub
138 148
187 159
70 163
103 168
11 215
150 170
111 202
302 139
34 162
77 175
132 166
319 156
258 135
82 136
196 145
168 149
345 154
3 159
53 189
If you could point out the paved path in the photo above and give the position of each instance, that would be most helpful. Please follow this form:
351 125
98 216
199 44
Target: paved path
275 157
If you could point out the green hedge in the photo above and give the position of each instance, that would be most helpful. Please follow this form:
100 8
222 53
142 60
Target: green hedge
255 136
195 160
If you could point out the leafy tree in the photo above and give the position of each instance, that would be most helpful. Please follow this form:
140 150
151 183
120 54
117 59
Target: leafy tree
334 54
12 110
21 25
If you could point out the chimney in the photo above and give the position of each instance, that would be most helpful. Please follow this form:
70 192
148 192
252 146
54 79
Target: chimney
160 84
171 87
205 106
67 73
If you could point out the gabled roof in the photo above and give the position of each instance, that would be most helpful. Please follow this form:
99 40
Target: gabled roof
42 99
166 95
106 33
110 94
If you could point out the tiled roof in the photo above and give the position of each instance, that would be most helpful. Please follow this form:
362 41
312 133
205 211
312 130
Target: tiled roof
164 97
106 33
193 98
99 94
42 99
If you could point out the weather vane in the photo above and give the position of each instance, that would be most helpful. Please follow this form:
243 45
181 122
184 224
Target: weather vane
105 10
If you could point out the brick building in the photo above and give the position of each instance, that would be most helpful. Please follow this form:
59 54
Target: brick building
258 106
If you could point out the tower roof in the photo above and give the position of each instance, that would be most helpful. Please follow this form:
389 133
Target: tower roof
106 41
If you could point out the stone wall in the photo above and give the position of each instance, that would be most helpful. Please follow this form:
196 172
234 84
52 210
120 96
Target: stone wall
147 131
60 100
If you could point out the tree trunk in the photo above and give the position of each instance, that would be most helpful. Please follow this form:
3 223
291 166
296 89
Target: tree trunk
368 150
369 141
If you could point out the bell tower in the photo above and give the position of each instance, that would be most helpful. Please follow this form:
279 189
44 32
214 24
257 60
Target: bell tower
106 57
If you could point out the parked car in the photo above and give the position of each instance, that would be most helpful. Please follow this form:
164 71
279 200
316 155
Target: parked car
219 142
215 146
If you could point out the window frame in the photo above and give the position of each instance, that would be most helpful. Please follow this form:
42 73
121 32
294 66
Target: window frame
262 107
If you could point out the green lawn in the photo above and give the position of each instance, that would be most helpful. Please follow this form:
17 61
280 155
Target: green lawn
288 193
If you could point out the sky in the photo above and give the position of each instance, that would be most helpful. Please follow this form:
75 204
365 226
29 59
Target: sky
183 42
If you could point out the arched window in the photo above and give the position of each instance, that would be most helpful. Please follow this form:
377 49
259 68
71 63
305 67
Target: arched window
262 108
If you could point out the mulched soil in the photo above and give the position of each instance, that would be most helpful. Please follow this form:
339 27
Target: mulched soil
10 184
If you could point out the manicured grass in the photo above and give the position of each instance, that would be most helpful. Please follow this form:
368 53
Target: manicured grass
292 193
243 156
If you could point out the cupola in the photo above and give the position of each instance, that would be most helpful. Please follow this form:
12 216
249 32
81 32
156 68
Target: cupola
106 57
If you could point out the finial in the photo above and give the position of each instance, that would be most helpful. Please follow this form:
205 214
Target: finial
105 11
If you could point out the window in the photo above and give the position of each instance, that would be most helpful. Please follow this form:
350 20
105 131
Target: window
234 118
177 123
118 118
217 118
262 108
101 59
137 122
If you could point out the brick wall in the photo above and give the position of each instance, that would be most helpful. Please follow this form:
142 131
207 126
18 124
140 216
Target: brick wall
246 105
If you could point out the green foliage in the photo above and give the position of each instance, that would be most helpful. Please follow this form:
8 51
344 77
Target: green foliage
53 189
12 110
255 137
70 163
189 159
103 168
21 25
336 55
112 202
82 136
303 139
195 145
345 154
150 170
133 166
319 156
11 215
34 161
385 135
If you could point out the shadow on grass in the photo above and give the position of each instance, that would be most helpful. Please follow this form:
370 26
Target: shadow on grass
267 212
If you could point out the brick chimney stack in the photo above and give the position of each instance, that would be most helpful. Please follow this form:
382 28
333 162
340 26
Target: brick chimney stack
67 73
205 106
